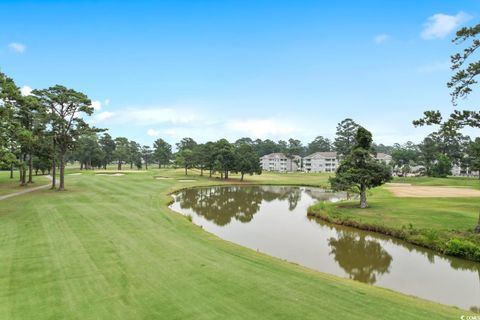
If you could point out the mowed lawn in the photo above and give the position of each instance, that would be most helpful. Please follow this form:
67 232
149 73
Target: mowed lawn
438 213
109 248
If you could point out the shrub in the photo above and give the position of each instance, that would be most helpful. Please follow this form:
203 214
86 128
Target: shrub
462 248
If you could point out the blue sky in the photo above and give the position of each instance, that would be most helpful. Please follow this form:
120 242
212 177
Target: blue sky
267 69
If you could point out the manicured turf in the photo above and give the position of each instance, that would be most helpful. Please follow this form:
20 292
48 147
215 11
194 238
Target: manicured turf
109 248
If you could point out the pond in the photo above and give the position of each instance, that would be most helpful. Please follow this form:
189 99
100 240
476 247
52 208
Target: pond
273 220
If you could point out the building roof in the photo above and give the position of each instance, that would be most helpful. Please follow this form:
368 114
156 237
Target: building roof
278 155
382 156
322 155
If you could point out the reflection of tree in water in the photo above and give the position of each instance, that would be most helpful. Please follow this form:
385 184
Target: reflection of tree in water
362 259
460 264
221 204
292 195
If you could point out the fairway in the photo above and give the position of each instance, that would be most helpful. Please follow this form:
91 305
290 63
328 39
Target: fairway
111 249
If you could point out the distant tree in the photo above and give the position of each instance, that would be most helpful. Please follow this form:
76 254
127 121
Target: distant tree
345 137
65 106
405 155
266 147
146 155
185 158
134 153
381 148
442 167
246 160
319 144
449 140
428 152
186 143
88 151
224 157
122 151
245 140
282 146
359 170
162 152
473 156
107 145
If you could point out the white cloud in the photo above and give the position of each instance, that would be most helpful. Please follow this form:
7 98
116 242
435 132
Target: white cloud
26 90
17 47
440 25
106 102
102 116
97 105
381 38
261 128
155 115
153 132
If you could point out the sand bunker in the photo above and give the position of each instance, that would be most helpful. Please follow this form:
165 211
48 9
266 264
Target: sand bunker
116 171
110 174
407 190
186 180
162 178
74 174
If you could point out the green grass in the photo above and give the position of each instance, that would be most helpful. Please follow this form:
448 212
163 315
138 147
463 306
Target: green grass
109 248
8 185
469 182
430 222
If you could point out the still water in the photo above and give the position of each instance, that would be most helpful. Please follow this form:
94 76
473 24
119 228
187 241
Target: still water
273 220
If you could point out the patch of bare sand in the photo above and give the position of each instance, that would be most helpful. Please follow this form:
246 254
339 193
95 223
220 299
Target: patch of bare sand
406 190
110 174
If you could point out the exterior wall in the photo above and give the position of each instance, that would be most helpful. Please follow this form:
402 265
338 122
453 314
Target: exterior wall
320 162
459 172
384 157
328 161
279 162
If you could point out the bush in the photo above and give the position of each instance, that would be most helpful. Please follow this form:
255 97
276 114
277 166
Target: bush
462 248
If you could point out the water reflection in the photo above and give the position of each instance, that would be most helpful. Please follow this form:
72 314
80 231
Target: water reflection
272 219
361 258
222 204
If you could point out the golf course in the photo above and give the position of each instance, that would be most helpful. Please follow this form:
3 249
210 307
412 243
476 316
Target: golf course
109 247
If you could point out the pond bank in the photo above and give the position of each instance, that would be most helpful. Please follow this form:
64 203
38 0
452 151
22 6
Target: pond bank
464 244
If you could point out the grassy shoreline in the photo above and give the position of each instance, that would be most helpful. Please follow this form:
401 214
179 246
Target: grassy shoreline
444 225
109 247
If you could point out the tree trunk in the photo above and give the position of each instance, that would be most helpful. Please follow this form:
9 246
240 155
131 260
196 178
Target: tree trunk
241 179
23 170
159 164
54 174
226 174
119 165
131 165
62 172
201 171
11 171
363 197
54 164
30 168
146 165
186 173
210 173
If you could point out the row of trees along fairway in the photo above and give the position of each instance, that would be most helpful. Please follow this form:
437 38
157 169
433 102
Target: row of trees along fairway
220 156
359 170
40 127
